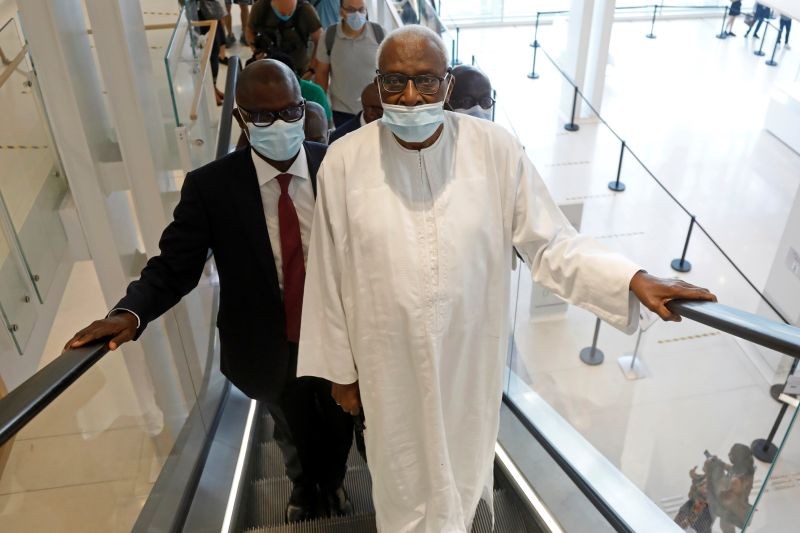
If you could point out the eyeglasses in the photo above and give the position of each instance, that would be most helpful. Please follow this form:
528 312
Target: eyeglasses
486 102
394 82
262 119
361 10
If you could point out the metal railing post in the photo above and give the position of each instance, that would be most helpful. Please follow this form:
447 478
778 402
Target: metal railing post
456 60
572 126
722 34
618 186
760 51
772 61
652 35
682 265
591 355
532 75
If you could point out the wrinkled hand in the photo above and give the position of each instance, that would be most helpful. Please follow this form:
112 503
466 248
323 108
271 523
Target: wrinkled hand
121 327
348 397
654 293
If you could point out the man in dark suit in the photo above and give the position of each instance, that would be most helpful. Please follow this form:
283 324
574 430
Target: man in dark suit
253 209
371 110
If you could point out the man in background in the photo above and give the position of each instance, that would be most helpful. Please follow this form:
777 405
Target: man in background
284 26
472 92
371 110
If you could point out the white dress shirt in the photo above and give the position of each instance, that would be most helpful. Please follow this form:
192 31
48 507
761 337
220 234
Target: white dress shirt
302 193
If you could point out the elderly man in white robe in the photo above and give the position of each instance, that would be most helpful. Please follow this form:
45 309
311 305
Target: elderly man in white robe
405 306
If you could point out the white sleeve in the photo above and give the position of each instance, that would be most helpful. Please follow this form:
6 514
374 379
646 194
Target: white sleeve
573 266
324 349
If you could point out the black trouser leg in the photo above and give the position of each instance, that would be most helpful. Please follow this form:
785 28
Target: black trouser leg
786 24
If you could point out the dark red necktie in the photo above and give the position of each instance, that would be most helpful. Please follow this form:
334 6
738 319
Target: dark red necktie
294 270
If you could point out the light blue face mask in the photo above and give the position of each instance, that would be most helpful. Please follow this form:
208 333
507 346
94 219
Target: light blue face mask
279 142
281 15
356 20
413 124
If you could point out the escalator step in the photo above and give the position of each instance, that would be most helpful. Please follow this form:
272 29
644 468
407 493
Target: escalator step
345 524
269 498
509 516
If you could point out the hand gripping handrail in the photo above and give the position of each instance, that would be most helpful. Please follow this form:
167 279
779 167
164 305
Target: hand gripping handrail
37 392
768 333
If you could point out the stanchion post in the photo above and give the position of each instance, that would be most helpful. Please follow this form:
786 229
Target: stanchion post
760 51
618 186
494 97
652 35
591 355
722 34
764 449
682 265
453 53
772 61
572 126
776 390
532 75
456 60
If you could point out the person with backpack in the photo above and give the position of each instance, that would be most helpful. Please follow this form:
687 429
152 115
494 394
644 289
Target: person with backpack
288 26
347 59
253 209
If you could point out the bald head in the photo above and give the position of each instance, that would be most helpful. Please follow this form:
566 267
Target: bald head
413 45
371 103
267 85
316 123
472 87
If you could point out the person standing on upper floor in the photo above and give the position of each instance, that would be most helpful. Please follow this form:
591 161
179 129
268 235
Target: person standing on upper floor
346 58
328 11
371 110
761 12
734 11
786 26
244 11
472 92
284 26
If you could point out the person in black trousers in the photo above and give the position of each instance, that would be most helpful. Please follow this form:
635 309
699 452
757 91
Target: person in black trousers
761 12
786 24
253 210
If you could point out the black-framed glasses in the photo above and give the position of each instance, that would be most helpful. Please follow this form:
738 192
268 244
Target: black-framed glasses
466 102
395 82
362 10
262 119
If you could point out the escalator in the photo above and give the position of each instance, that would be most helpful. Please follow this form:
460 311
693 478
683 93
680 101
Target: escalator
266 489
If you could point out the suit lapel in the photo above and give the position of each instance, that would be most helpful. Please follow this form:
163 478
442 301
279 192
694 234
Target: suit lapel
250 210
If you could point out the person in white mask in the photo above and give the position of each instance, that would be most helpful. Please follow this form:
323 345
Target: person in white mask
472 93
406 298
346 59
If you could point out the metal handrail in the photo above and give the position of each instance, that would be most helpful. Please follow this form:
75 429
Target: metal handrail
774 335
37 392
226 118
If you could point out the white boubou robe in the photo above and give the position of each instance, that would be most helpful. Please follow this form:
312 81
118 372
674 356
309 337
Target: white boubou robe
407 292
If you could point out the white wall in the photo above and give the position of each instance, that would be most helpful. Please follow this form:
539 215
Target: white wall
787 7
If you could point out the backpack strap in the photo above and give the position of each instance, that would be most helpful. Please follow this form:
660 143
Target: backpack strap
315 153
330 38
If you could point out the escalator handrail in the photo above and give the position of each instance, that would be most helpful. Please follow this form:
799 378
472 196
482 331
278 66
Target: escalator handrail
37 392
768 333
226 118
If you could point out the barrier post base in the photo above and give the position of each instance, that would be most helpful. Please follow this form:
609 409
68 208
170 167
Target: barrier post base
650 36
571 127
533 75
592 356
681 265
632 368
772 63
764 451
616 186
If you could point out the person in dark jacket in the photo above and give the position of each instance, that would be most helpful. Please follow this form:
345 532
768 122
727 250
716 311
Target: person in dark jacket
253 209
371 110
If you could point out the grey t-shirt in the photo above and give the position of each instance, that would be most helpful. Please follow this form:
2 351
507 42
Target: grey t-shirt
353 62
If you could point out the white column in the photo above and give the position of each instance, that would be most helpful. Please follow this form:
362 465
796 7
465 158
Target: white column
574 58
602 23
71 89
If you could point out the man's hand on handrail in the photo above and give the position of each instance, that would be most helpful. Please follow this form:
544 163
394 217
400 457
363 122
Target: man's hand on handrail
120 326
655 293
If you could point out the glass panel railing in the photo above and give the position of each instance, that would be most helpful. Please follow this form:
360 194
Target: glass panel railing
32 186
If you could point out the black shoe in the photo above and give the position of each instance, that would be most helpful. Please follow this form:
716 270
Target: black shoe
731 34
301 505
755 36
338 503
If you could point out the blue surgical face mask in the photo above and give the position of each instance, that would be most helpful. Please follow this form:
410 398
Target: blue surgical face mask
476 111
281 15
279 142
413 124
356 20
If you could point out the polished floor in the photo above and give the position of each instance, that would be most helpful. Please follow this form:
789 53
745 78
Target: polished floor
692 108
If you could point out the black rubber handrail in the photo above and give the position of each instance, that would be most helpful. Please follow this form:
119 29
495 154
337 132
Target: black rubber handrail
754 328
226 117
37 392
